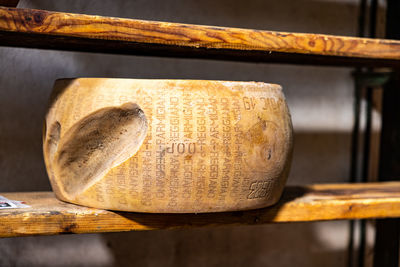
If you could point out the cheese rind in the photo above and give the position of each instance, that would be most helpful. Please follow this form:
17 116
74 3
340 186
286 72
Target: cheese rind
167 146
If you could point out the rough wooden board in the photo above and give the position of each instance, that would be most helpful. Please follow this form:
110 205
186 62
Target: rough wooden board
66 31
48 216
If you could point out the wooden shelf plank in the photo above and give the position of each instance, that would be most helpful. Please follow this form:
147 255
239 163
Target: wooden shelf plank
66 31
49 216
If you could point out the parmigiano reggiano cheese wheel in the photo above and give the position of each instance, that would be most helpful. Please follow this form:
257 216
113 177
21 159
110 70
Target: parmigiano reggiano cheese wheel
167 146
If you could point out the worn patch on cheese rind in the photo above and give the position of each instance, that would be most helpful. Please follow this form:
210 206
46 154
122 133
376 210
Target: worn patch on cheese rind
97 143
53 138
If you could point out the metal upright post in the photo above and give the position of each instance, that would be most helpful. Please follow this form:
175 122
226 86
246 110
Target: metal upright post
388 230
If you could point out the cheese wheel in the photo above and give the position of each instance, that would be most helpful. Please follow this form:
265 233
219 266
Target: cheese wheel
167 146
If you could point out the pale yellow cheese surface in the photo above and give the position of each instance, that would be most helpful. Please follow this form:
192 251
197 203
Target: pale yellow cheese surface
173 146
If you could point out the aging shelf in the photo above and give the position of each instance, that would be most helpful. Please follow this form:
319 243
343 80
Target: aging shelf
49 216
77 32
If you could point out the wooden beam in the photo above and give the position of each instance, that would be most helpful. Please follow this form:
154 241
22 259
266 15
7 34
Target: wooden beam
66 31
49 216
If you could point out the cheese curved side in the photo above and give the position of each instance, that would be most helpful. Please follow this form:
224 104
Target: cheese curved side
182 146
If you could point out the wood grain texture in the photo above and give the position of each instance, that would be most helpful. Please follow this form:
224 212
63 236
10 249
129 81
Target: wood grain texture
66 31
49 216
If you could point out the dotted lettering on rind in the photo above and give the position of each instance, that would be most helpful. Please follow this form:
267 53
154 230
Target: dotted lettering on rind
196 151
259 189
